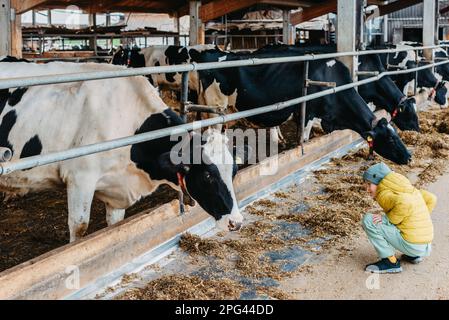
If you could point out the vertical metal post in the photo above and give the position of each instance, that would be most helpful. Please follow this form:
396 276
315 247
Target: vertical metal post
184 101
177 23
108 19
33 18
5 28
349 31
430 25
286 27
49 22
184 95
385 28
303 108
415 87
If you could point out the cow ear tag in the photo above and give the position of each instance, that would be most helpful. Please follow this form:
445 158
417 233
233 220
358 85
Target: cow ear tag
238 160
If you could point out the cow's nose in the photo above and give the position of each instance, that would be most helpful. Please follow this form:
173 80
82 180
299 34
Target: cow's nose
234 226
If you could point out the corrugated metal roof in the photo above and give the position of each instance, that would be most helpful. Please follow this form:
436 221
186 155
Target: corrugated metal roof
415 11
412 16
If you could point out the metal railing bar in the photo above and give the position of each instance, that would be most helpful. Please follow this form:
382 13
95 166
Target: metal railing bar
35 161
100 75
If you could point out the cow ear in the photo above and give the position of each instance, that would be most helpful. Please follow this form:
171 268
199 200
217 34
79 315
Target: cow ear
195 55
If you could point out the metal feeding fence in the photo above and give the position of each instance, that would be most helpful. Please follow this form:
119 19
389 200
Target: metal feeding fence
8 167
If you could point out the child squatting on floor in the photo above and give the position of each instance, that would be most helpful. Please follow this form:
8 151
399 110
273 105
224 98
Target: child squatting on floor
406 225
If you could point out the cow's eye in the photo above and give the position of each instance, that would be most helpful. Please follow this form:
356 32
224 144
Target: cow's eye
207 175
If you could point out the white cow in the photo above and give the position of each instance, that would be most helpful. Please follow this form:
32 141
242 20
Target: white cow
163 55
44 119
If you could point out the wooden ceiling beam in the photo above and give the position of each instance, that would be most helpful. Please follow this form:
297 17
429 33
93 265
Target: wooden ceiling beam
218 8
288 3
313 12
22 6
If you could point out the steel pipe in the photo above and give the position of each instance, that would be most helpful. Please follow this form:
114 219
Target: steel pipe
100 75
5 154
35 161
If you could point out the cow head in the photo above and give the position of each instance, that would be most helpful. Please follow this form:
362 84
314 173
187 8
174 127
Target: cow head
386 142
207 178
405 117
132 58
200 165
427 79
439 94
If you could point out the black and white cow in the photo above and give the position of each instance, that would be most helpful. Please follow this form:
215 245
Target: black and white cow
384 93
441 71
44 119
426 79
251 87
163 55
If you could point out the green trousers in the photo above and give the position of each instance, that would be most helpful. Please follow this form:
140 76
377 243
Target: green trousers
386 238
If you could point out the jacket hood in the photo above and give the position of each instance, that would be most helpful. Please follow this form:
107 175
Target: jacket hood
396 183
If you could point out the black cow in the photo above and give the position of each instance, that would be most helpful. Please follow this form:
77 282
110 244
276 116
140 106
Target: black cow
386 95
442 71
251 87
155 56
383 93
407 59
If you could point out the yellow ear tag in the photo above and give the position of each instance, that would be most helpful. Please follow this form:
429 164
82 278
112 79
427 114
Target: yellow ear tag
369 139
238 160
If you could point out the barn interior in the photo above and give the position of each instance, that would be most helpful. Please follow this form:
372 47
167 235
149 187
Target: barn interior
236 25
91 31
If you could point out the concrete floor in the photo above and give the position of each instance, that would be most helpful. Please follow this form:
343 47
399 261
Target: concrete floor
339 274
334 273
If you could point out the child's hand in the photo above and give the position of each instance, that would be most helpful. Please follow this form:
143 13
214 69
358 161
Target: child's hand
377 218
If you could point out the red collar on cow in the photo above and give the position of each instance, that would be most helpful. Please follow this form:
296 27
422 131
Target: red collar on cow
370 141
129 59
394 113
434 90
432 93
182 183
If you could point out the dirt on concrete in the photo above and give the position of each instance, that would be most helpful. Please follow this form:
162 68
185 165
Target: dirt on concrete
37 223
333 208
339 274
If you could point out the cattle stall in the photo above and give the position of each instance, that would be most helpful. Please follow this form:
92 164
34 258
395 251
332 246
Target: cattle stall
103 257
26 163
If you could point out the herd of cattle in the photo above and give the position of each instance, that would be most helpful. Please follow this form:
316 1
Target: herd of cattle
44 119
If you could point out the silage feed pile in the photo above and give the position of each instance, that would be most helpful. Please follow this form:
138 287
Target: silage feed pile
300 221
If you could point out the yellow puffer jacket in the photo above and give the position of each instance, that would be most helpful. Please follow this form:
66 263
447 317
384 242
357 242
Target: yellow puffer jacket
407 207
